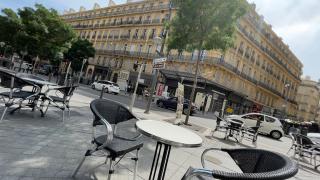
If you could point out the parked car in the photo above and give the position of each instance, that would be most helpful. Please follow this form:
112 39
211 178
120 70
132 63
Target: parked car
269 125
46 69
172 103
110 87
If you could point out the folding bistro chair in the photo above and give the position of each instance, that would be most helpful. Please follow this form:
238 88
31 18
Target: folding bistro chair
17 93
304 147
61 100
254 163
234 129
109 113
250 133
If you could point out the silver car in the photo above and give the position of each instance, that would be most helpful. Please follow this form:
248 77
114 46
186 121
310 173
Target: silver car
110 87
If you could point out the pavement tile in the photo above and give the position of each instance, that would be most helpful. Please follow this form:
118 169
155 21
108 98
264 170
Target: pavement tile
46 149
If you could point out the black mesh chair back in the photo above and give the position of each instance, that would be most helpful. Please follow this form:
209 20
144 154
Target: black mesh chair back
302 140
109 110
254 163
109 113
10 80
66 90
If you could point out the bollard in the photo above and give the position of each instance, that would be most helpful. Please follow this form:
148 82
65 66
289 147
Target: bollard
102 91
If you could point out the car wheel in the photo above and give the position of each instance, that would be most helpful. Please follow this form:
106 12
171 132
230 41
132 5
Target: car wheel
276 134
160 104
106 90
115 93
93 87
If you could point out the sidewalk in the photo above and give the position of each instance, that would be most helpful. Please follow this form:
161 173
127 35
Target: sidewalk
32 147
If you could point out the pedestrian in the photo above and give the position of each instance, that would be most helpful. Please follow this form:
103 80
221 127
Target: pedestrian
129 88
126 88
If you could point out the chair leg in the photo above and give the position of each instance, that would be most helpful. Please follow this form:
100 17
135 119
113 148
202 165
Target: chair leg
79 166
136 159
63 116
289 149
69 112
4 112
109 168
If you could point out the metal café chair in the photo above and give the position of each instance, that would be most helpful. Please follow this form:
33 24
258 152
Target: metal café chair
111 144
304 147
254 164
234 129
17 93
250 133
61 100
221 124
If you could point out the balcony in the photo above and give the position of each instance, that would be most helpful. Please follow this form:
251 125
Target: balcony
128 11
155 21
125 37
267 51
146 21
143 37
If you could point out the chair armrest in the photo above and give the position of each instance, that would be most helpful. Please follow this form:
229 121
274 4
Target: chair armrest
125 138
205 152
109 134
35 93
191 172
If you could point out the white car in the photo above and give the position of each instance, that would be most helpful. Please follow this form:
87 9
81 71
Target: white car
269 125
110 87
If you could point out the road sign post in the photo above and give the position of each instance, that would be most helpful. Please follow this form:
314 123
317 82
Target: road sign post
157 64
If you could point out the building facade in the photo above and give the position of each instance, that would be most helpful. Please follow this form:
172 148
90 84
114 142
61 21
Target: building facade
260 66
308 97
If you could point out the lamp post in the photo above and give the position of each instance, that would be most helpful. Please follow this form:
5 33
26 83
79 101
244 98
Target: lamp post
136 87
286 86
83 62
158 41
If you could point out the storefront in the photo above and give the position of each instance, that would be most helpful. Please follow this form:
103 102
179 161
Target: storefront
101 73
205 88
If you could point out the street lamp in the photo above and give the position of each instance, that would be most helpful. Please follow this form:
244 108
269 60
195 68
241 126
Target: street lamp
81 73
286 86
136 87
158 41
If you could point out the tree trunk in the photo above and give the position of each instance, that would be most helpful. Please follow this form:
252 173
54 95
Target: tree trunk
193 87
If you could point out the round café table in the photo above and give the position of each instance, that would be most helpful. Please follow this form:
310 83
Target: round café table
166 135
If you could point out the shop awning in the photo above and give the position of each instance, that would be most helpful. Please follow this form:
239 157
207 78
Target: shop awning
179 75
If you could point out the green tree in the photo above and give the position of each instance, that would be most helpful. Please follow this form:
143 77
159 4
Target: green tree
80 49
204 25
38 31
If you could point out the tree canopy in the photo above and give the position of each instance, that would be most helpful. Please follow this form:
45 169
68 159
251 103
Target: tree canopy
38 31
80 49
205 24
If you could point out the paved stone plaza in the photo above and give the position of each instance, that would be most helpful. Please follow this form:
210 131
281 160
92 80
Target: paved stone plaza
32 147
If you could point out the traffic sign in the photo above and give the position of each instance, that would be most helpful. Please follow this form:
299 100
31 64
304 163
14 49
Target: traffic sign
159 63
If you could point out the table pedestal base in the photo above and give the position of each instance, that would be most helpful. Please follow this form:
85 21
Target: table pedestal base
161 171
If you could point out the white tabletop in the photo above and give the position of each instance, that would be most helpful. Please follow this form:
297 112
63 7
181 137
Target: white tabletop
168 133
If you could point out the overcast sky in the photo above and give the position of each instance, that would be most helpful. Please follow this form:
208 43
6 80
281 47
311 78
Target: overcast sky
296 21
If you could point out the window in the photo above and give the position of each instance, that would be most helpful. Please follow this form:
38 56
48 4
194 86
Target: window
269 119
255 117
